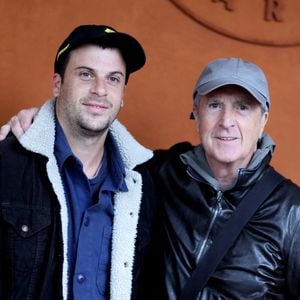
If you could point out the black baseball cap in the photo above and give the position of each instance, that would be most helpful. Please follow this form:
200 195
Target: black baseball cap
132 51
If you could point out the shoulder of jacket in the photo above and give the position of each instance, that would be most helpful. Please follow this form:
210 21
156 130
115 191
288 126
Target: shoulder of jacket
176 149
162 156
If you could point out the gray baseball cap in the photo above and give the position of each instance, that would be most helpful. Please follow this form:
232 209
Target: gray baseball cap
225 71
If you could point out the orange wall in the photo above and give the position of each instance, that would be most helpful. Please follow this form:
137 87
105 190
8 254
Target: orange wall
158 98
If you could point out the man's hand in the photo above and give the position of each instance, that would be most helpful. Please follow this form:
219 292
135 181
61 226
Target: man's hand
19 124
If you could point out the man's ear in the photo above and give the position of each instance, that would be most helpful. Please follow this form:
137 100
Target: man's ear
56 84
264 120
195 112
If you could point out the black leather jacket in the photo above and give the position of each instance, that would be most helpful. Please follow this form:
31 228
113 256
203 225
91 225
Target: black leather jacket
263 263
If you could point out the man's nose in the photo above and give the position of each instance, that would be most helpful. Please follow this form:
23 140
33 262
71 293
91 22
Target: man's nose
99 87
227 117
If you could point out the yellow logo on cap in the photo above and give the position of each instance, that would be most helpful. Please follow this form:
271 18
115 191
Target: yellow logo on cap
62 51
108 30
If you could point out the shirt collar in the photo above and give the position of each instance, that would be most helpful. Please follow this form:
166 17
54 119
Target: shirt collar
115 163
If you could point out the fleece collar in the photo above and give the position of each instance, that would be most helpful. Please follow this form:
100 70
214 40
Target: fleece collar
40 137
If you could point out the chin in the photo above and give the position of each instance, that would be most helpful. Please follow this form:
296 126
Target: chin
228 158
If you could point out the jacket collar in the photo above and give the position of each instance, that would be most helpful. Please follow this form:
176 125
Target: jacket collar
198 166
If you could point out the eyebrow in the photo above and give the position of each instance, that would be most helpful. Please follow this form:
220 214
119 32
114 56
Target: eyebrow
212 98
117 73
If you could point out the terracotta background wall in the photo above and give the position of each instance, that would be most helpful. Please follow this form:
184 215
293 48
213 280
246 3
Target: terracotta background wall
158 98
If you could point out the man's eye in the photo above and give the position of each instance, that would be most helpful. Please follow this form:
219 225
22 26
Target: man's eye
214 105
85 75
114 79
243 107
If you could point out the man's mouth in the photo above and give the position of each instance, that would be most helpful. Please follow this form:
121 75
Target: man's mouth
98 105
227 138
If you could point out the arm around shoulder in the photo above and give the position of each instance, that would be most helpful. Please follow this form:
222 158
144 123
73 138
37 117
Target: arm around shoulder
19 123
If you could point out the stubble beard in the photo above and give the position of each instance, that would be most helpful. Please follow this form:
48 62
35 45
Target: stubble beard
92 128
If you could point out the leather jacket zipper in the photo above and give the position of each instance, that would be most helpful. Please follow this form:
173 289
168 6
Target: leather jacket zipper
217 211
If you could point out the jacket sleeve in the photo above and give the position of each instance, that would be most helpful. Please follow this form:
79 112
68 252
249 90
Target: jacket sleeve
293 264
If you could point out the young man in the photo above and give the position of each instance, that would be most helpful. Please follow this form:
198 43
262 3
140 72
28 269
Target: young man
70 197
200 188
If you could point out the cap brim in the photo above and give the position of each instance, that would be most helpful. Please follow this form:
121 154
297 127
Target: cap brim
208 87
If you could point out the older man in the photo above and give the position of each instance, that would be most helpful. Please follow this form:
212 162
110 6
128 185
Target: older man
201 187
